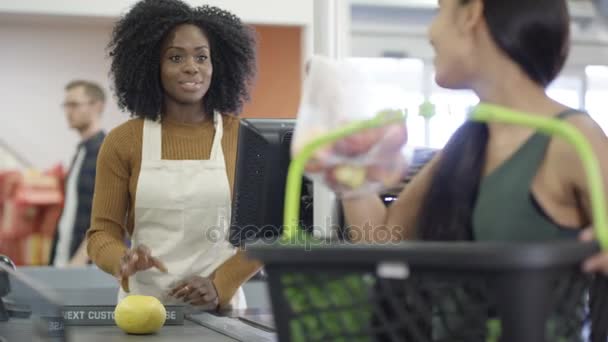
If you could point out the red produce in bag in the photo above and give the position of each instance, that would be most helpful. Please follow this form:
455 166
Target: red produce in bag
337 94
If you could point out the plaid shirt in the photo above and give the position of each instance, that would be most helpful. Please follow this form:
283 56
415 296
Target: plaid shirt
85 188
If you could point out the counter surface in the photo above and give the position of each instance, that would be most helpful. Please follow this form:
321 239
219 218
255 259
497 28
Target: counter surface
21 330
91 287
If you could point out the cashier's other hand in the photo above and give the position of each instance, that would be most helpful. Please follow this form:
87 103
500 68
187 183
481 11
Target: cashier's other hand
135 260
598 262
197 291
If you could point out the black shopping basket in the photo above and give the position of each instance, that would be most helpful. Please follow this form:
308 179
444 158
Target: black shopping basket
433 292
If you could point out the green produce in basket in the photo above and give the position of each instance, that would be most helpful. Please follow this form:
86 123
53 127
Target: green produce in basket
493 330
328 307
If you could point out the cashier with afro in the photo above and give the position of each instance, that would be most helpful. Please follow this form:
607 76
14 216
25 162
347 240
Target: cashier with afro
165 177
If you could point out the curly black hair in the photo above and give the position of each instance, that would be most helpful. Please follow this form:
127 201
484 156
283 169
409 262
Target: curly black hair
135 51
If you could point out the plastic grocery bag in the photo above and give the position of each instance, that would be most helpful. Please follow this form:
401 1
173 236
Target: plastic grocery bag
337 94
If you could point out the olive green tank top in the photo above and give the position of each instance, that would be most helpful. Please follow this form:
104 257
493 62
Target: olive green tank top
506 209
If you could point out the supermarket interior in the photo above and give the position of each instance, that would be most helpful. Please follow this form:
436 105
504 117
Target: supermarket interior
304 170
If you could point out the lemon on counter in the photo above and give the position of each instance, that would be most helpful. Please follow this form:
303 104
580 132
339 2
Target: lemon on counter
140 314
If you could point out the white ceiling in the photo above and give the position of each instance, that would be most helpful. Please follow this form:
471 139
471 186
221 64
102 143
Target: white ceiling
587 27
578 8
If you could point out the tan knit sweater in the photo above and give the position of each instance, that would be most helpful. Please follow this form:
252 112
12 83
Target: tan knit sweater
118 167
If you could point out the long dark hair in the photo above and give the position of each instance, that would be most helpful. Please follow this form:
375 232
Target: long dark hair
534 34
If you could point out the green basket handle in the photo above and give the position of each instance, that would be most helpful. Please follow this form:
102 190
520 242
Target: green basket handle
483 112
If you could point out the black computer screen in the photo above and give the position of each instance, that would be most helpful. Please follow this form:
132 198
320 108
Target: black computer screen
263 159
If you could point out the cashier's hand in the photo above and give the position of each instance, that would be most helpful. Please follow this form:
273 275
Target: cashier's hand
197 291
598 262
135 260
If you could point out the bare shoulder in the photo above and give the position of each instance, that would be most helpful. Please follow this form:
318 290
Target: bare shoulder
585 123
563 155
589 128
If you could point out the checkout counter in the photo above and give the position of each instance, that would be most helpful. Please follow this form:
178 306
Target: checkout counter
45 290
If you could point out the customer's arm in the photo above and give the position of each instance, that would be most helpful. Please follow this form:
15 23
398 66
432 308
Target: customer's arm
105 238
368 220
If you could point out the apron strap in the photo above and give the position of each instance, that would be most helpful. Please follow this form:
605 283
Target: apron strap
151 148
216 149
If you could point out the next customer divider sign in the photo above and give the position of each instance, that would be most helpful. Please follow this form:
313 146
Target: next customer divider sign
104 315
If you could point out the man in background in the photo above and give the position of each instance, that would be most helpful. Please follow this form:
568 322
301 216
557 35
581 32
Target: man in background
84 103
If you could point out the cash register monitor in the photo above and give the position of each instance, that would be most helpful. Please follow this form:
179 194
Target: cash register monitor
263 159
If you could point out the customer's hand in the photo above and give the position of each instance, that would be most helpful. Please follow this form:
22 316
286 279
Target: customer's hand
135 260
197 291
598 262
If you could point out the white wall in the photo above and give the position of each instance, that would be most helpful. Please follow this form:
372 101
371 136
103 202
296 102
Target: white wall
37 62
47 43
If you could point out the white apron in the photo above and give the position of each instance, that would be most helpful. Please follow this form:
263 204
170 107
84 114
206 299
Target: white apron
182 213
